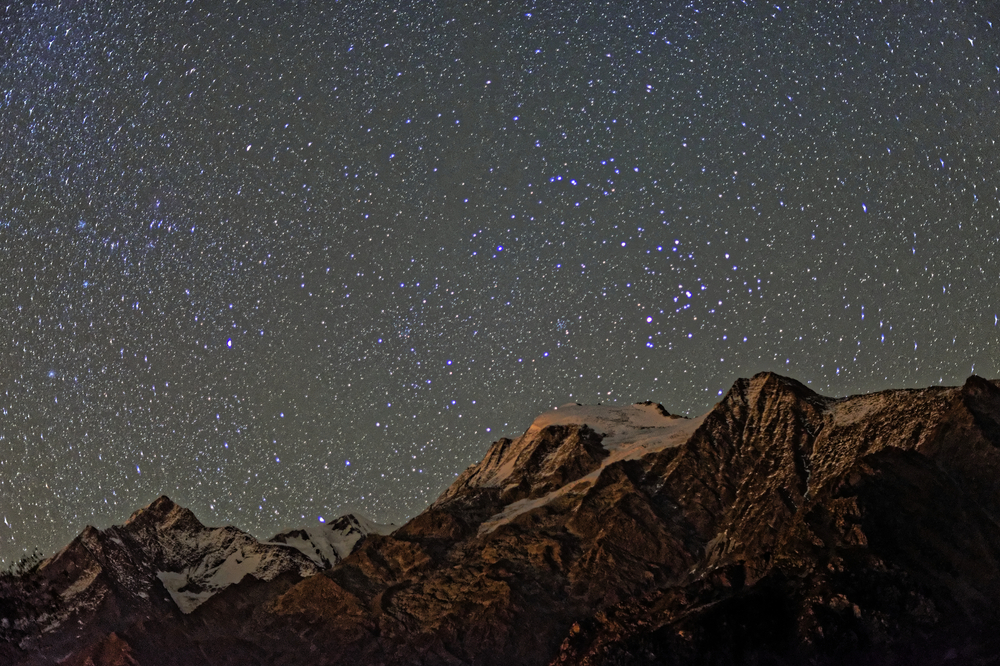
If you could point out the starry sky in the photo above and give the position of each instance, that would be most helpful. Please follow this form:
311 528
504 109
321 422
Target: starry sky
286 260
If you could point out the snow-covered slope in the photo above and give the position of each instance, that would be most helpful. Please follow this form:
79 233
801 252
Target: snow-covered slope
533 473
166 542
214 559
628 432
328 544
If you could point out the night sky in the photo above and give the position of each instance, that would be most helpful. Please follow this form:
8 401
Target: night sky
285 260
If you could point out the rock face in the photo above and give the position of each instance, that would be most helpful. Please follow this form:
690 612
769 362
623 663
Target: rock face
161 564
782 527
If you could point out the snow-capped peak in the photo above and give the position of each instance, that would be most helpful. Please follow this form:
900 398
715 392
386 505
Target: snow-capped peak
328 544
193 562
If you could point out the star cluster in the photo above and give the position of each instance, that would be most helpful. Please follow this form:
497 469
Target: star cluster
288 260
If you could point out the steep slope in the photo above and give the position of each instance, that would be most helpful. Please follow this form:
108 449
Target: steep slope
328 544
861 530
781 527
160 562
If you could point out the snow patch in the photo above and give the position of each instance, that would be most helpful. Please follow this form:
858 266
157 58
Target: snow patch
191 586
326 545
224 556
629 433
186 600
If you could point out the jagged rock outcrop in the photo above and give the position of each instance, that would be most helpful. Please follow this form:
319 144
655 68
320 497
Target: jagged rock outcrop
161 564
859 530
782 527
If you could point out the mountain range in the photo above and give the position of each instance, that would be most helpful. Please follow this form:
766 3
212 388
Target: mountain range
781 527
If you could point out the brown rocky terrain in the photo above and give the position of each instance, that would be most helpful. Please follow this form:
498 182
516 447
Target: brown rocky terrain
782 527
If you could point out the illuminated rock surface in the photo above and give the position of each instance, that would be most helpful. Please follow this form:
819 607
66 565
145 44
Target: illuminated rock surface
782 527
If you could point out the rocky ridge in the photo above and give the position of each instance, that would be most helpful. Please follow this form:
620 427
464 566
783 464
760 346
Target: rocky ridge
160 562
781 527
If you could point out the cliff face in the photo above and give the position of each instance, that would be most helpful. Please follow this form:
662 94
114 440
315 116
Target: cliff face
860 530
159 566
781 527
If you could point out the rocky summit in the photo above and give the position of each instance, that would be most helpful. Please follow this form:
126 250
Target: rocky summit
782 527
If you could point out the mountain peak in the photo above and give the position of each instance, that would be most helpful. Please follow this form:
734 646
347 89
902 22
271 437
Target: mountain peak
328 544
772 381
569 445
164 513
780 527
655 406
